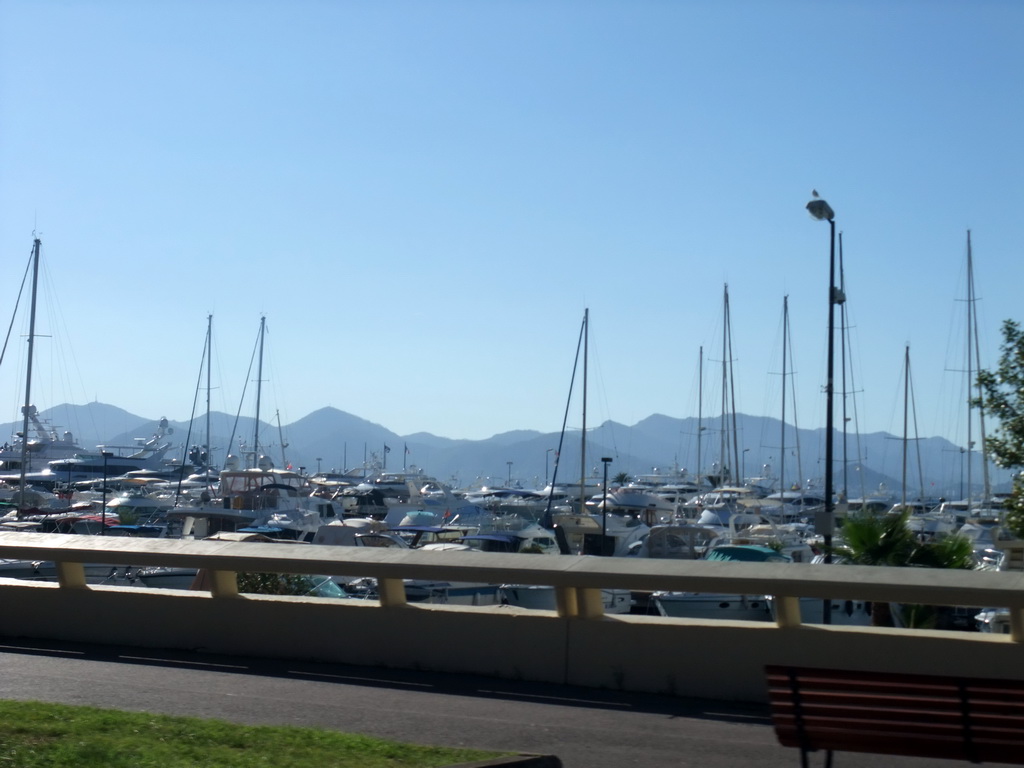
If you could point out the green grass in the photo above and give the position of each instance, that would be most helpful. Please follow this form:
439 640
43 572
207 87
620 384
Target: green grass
36 735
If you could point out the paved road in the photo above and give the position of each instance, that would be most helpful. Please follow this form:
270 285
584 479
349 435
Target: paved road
585 728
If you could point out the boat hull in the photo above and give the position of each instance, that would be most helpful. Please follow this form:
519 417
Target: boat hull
694 605
537 597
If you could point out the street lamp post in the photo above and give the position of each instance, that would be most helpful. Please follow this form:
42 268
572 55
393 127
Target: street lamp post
822 211
509 473
743 470
606 460
546 454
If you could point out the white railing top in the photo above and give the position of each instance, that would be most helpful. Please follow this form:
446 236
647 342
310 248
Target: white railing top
909 585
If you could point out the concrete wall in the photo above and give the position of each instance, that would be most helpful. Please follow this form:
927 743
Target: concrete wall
714 659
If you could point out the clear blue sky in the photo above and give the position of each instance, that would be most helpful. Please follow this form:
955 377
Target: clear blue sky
423 197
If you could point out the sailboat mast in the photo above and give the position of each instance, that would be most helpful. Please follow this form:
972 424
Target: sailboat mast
700 409
845 334
209 354
972 334
782 450
565 418
723 440
842 365
906 405
28 376
583 445
259 391
729 442
970 372
280 437
732 399
842 351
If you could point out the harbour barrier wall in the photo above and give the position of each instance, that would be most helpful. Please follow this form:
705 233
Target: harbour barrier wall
577 644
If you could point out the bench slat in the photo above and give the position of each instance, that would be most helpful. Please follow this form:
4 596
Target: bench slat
907 745
888 679
898 714
996 691
904 711
1007 732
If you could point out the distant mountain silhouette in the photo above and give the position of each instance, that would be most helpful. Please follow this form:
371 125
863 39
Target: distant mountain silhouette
331 439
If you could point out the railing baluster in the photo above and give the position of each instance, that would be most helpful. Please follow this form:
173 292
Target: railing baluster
391 592
223 584
1017 625
787 611
591 604
566 602
71 575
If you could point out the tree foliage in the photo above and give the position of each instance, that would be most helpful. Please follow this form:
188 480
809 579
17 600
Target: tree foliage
273 583
888 540
1002 396
876 540
1013 520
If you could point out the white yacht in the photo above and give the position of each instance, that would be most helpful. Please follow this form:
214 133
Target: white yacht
44 446
634 500
104 463
395 485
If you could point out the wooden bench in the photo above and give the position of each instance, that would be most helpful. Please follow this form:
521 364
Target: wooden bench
937 716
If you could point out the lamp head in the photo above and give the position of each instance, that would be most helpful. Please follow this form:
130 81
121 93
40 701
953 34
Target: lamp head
820 210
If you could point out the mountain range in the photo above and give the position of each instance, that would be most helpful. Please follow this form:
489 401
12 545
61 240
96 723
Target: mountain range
332 440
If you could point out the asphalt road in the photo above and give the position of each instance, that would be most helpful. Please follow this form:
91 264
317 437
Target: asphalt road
585 728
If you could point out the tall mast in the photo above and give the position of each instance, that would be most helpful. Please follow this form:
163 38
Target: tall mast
906 407
209 355
565 416
259 391
700 409
583 445
908 403
729 434
723 440
842 367
280 437
972 337
970 372
732 398
782 453
844 337
28 376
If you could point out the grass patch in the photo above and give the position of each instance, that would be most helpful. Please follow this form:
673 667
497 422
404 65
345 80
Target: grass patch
37 735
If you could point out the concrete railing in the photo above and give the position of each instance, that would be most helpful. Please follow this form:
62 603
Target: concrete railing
576 644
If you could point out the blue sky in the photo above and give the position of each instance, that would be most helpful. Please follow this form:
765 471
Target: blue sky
423 198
